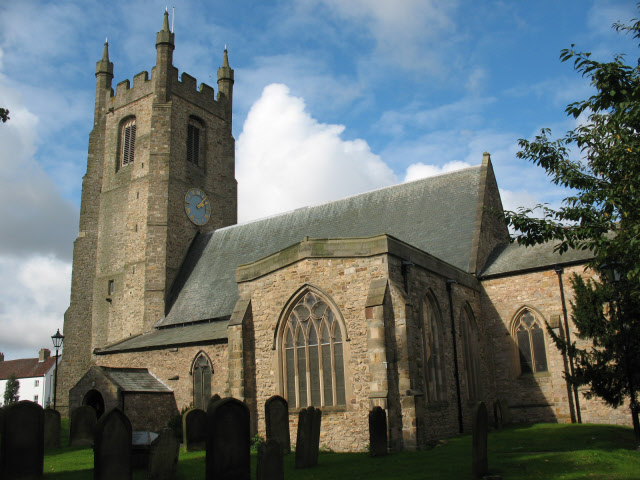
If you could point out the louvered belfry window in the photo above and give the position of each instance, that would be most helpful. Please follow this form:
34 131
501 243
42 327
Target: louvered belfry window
530 338
193 143
128 139
313 355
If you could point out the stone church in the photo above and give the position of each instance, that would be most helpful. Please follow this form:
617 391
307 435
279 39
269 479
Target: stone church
409 297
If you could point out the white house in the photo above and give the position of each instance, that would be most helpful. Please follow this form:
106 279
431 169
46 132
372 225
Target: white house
36 376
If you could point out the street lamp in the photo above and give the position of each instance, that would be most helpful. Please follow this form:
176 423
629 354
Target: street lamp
57 340
612 273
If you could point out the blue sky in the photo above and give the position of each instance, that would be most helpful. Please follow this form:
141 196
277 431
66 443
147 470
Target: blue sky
334 97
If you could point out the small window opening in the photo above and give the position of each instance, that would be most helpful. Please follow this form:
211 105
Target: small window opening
110 288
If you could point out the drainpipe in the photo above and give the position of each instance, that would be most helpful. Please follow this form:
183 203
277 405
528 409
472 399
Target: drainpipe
456 372
573 398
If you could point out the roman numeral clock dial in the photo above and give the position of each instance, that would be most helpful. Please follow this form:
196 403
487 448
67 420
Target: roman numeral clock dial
197 206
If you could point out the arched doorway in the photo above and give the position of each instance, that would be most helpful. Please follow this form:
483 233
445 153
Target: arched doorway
94 399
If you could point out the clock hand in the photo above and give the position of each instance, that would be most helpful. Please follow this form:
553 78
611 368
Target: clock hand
201 204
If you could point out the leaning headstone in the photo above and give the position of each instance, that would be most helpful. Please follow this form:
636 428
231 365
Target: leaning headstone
276 413
163 460
505 412
51 428
228 440
112 447
194 429
81 424
480 431
270 462
377 432
308 439
22 441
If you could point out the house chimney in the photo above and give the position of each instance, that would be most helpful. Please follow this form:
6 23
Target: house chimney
44 354
1 357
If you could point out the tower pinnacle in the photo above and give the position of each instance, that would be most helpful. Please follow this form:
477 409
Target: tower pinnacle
104 65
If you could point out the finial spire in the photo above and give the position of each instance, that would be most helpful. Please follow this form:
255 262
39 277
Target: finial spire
225 60
165 22
105 52
104 65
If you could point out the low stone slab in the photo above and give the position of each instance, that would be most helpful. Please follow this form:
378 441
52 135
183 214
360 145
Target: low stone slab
141 447
51 428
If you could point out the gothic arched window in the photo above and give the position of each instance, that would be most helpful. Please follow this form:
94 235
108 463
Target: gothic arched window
530 339
201 372
313 354
433 350
194 141
471 353
127 141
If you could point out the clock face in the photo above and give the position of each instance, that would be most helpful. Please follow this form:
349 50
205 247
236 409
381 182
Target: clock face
197 206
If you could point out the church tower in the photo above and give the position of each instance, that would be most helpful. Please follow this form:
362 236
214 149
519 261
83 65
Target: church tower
160 170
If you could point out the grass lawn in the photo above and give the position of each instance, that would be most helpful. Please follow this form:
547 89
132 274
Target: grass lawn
541 451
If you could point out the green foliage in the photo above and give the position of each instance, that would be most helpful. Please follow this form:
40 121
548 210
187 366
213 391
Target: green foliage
11 390
602 215
256 441
4 114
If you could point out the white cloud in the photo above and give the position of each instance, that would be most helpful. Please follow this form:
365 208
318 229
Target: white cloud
35 295
286 159
419 170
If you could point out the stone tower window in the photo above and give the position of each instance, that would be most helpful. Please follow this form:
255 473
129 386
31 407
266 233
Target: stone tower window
194 141
127 142
433 350
471 353
313 355
530 339
202 372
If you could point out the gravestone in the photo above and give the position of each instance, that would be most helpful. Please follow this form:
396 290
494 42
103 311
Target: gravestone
194 429
213 400
22 441
377 432
51 428
228 440
276 413
497 415
163 460
112 447
308 438
505 412
480 431
270 462
81 424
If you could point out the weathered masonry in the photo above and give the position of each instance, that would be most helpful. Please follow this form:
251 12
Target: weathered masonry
408 297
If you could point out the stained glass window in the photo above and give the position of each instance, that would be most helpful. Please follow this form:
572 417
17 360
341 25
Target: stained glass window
433 350
530 337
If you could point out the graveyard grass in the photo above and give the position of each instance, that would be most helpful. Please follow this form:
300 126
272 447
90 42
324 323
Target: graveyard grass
547 451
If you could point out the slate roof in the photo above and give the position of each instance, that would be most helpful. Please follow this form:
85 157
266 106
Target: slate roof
435 214
25 367
514 258
134 379
200 333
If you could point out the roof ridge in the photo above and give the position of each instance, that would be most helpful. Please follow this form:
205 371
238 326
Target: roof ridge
368 192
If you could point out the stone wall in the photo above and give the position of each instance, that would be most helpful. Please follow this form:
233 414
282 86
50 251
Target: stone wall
149 411
540 397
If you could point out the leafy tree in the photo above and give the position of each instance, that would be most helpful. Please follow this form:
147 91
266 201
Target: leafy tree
4 114
11 390
602 215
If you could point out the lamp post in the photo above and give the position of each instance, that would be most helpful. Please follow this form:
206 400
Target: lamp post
612 273
57 340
